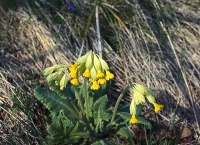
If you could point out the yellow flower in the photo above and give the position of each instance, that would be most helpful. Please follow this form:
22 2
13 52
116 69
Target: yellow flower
109 75
74 82
138 98
133 107
95 86
133 119
96 61
58 78
92 67
91 80
93 73
56 73
158 107
141 89
73 74
104 65
52 76
54 68
61 88
63 82
101 81
139 94
99 73
89 60
72 67
86 73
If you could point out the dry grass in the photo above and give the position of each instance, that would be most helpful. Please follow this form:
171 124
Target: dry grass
162 55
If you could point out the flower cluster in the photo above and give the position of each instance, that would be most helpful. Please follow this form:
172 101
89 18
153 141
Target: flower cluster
92 67
139 94
57 73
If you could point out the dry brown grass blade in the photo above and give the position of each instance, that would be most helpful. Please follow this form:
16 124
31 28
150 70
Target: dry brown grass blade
183 74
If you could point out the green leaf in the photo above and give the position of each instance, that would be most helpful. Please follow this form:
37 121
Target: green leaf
54 103
139 108
103 142
100 113
123 131
62 130
126 116
144 122
67 93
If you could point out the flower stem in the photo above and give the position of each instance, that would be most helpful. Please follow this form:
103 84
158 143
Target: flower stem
86 99
79 100
117 104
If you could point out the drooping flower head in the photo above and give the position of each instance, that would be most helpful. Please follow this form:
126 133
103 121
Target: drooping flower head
58 74
140 94
92 67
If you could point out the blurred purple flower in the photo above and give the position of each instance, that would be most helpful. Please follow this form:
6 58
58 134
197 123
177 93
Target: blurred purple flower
70 6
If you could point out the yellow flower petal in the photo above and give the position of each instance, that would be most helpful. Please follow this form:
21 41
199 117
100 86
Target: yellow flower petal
95 86
99 73
74 82
73 74
86 73
109 75
91 80
61 88
133 119
158 107
101 81
72 67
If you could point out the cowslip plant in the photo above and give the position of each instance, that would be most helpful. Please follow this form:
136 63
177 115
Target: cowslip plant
78 103
140 94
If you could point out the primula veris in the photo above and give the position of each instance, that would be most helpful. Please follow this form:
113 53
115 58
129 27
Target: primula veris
99 73
63 82
109 75
58 74
95 86
72 67
97 63
54 68
89 60
58 78
86 73
133 119
140 94
101 81
158 107
104 65
93 73
92 67
74 82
